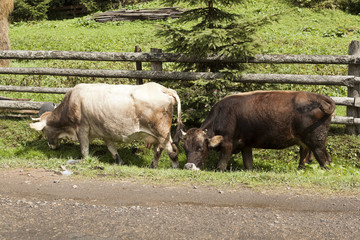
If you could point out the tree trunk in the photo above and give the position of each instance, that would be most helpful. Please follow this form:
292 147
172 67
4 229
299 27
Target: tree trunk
6 7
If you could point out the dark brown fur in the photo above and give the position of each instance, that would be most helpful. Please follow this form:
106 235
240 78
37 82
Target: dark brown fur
269 120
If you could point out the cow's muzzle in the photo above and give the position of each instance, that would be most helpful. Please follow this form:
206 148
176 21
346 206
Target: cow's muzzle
191 166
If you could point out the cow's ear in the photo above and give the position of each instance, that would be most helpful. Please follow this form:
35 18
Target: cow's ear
38 125
215 141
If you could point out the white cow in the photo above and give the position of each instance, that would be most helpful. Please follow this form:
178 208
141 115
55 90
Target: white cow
114 113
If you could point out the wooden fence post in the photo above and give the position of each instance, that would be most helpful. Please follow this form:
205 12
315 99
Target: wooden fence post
354 70
156 66
139 81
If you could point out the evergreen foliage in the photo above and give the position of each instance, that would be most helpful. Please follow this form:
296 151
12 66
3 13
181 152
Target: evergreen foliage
351 6
210 29
30 10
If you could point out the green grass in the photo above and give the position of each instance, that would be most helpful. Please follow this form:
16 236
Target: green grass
298 31
22 147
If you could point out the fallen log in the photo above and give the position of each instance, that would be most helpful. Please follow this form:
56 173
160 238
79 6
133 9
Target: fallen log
18 113
20 105
139 14
14 99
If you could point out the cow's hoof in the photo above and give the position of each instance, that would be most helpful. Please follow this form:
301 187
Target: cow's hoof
301 167
326 166
118 160
221 168
120 163
175 165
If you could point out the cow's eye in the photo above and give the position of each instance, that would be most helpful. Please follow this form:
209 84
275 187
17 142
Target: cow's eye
200 149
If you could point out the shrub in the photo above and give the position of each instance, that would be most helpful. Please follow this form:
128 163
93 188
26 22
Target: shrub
30 10
338 32
351 6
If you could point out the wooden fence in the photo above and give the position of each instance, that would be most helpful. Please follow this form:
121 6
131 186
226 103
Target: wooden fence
156 57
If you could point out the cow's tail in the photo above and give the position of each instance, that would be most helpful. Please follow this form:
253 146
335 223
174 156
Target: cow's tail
180 125
327 105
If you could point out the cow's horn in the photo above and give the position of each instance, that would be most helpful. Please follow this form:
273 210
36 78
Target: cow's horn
36 119
183 133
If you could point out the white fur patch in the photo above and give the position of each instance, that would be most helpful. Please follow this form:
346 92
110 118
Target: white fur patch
191 166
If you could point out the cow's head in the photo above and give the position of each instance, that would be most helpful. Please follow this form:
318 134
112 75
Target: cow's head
52 133
197 145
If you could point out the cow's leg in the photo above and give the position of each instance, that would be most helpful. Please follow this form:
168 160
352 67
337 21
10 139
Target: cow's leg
225 155
113 150
172 151
224 159
309 158
316 141
305 155
322 156
247 158
83 137
157 153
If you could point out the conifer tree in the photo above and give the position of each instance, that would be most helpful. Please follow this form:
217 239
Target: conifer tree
209 30
204 30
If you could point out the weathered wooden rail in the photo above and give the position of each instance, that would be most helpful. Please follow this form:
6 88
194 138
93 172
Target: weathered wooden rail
138 14
348 81
156 57
174 57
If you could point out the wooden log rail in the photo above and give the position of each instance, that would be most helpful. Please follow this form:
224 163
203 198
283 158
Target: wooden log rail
22 105
33 89
188 76
173 57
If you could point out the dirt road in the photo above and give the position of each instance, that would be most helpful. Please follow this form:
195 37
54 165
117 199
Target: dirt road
35 204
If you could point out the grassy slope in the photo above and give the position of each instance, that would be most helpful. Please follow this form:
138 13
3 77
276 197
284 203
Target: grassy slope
298 31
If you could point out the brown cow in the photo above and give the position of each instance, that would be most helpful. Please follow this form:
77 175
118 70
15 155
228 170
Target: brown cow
114 113
262 119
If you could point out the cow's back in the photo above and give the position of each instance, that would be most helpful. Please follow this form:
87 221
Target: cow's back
118 111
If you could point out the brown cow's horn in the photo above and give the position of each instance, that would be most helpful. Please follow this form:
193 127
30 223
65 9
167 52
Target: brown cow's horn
36 119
